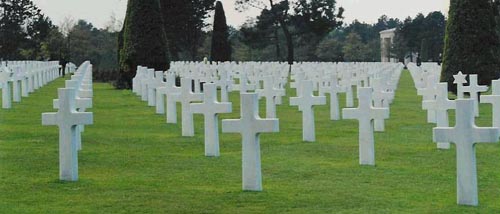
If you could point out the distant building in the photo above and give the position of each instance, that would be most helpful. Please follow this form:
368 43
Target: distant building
386 41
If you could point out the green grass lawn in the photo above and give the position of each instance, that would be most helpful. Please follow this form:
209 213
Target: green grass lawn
133 162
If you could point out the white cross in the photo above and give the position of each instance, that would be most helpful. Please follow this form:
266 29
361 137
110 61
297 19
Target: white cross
365 114
465 135
298 78
333 89
171 92
250 126
210 108
494 99
381 99
149 78
137 80
441 106
67 118
244 86
224 83
349 94
185 98
155 83
17 79
459 80
473 89
306 101
270 93
429 93
6 90
81 105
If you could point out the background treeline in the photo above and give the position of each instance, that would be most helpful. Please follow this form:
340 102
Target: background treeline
27 34
312 30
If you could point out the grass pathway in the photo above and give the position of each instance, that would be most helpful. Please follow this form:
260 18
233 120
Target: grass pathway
132 162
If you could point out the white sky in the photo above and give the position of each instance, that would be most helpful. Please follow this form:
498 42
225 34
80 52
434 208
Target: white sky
98 12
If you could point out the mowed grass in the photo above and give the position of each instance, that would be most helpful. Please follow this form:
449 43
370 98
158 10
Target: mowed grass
133 162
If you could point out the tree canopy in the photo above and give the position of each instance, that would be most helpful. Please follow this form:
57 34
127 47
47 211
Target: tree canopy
221 47
144 41
471 43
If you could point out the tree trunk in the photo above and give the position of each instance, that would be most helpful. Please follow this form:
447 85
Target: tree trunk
288 35
289 41
278 53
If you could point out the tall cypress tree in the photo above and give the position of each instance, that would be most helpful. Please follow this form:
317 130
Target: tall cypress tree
143 40
221 48
471 42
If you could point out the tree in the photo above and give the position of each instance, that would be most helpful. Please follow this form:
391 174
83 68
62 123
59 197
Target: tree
53 47
280 15
330 49
185 20
21 22
144 40
354 49
471 42
221 48
311 16
423 34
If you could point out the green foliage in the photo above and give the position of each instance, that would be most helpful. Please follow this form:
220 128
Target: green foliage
97 45
420 34
471 43
496 12
132 162
354 49
23 29
144 40
184 21
262 35
311 19
221 47
316 16
330 49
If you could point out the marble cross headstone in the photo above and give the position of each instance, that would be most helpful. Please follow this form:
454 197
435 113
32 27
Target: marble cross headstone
429 93
6 90
494 99
186 96
224 83
244 86
465 135
473 89
148 78
365 114
17 79
441 105
270 93
306 101
81 104
155 83
210 108
250 126
67 118
171 92
333 89
459 80
381 99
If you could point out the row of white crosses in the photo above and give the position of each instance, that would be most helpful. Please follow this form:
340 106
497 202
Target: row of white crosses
375 92
192 102
419 74
435 98
19 78
147 83
465 134
72 102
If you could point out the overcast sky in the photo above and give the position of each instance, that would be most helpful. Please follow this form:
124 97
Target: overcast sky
98 12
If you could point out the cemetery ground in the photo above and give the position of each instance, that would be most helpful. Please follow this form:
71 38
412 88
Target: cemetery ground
133 162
